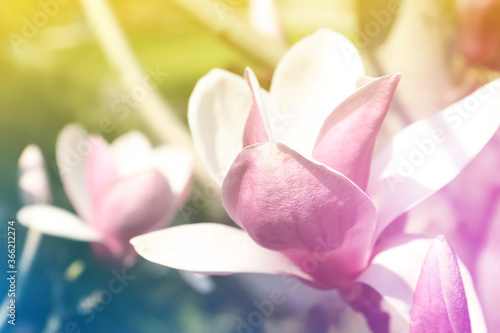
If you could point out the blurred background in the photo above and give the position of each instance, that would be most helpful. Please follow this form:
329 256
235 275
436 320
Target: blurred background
54 71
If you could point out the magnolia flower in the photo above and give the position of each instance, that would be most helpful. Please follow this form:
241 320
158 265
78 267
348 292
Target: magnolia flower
440 303
297 175
119 190
480 31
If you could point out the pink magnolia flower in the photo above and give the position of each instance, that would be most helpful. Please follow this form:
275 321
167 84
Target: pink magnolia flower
119 191
440 302
297 175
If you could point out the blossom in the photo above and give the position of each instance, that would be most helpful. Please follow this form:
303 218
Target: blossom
297 175
119 190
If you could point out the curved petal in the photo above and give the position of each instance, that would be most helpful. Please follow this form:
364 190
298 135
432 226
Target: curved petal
177 165
439 303
133 153
133 205
313 77
394 273
55 221
217 113
101 170
346 140
213 249
255 132
289 203
428 154
257 129
72 149
33 179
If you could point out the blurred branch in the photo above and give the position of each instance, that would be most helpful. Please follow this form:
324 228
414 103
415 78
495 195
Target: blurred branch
217 17
158 114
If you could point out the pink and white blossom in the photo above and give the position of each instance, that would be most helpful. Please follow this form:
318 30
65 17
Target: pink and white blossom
297 174
118 191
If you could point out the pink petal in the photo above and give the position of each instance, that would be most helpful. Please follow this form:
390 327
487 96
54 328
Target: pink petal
430 153
211 248
440 304
101 170
255 127
133 206
255 132
346 140
289 203
72 149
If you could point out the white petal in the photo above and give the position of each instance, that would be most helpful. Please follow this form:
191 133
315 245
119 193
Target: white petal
313 77
55 221
200 282
33 179
394 273
211 248
72 150
428 154
177 165
133 153
218 111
